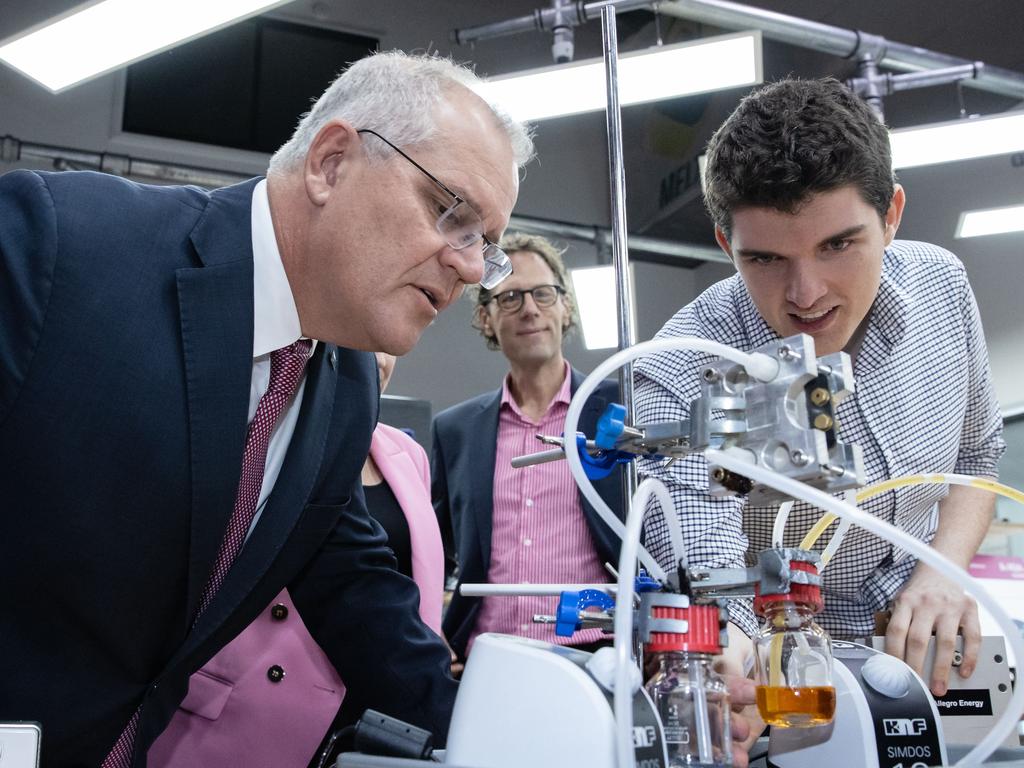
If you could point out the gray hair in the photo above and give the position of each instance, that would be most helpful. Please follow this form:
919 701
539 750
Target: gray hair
394 93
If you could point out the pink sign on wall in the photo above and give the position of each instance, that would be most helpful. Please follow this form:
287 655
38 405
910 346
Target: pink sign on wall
997 567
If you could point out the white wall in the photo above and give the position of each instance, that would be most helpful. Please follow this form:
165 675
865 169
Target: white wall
995 264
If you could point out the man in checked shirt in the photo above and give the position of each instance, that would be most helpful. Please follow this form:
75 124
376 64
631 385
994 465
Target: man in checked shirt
800 187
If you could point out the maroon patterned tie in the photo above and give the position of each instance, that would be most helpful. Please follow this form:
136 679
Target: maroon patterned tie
286 367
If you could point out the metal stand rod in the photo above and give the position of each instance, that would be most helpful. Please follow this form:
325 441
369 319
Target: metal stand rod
620 247
532 590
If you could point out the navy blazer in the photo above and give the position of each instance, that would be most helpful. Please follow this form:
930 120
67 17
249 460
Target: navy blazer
126 327
462 487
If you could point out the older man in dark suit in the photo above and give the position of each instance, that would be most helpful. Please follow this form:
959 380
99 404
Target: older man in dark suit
183 414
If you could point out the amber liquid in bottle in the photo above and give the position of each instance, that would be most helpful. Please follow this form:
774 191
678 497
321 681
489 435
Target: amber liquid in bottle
795 707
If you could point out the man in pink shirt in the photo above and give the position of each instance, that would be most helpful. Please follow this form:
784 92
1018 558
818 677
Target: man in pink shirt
530 525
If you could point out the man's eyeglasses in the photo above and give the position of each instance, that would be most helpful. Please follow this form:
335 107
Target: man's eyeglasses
462 227
512 301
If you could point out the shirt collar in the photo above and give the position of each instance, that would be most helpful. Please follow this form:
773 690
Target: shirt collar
275 318
757 330
564 394
888 320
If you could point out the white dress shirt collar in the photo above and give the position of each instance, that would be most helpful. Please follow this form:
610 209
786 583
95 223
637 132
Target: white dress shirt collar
276 320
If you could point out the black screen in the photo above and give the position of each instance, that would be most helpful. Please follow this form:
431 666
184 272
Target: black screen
244 86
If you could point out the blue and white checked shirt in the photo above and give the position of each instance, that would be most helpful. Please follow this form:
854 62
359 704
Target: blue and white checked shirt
923 403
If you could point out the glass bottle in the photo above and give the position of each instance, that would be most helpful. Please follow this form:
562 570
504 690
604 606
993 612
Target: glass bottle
687 691
793 658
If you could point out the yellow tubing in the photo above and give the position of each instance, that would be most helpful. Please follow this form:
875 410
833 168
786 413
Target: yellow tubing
902 482
775 661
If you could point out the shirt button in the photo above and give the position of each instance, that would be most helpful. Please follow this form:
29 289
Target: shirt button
275 674
279 612
529 502
524 627
527 542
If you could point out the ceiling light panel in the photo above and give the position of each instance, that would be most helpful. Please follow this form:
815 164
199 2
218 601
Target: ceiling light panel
994 221
100 37
710 64
957 140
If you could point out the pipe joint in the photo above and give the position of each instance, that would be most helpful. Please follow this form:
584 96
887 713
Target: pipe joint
868 44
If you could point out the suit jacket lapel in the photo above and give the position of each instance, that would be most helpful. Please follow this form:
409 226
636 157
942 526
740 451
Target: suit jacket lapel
406 482
216 309
591 412
592 409
292 490
482 444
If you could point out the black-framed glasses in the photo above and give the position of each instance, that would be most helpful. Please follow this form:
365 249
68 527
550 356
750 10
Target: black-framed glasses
512 300
462 227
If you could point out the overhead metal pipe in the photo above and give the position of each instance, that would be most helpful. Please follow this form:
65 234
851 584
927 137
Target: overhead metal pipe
63 158
803 33
871 85
601 238
543 20
894 83
838 41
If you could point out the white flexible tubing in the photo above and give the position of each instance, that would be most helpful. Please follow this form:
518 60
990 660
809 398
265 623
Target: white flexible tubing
837 538
623 694
760 366
779 526
850 497
1008 722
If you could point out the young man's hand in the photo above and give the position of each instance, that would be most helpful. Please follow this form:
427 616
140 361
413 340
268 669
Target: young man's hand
747 724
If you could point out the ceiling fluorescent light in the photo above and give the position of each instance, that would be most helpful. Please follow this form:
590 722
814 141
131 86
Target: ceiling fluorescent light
594 289
957 140
710 64
993 221
100 37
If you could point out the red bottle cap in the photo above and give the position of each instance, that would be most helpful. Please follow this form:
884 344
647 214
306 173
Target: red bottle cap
808 594
703 635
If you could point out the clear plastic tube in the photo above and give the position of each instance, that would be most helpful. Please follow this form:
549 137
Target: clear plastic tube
1007 723
779 527
760 366
623 694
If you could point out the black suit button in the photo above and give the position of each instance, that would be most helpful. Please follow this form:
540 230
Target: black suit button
275 674
279 612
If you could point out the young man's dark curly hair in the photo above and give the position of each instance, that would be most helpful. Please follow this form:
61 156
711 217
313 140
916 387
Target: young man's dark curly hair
793 139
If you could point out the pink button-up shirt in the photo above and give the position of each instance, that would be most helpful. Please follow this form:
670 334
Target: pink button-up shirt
538 533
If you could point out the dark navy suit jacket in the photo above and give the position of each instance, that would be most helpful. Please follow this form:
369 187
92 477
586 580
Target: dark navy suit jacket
462 487
126 327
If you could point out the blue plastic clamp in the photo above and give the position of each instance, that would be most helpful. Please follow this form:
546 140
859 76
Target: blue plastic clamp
571 603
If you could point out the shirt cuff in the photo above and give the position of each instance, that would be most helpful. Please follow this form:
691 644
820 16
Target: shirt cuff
881 586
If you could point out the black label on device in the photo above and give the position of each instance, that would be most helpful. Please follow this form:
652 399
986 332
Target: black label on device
968 701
